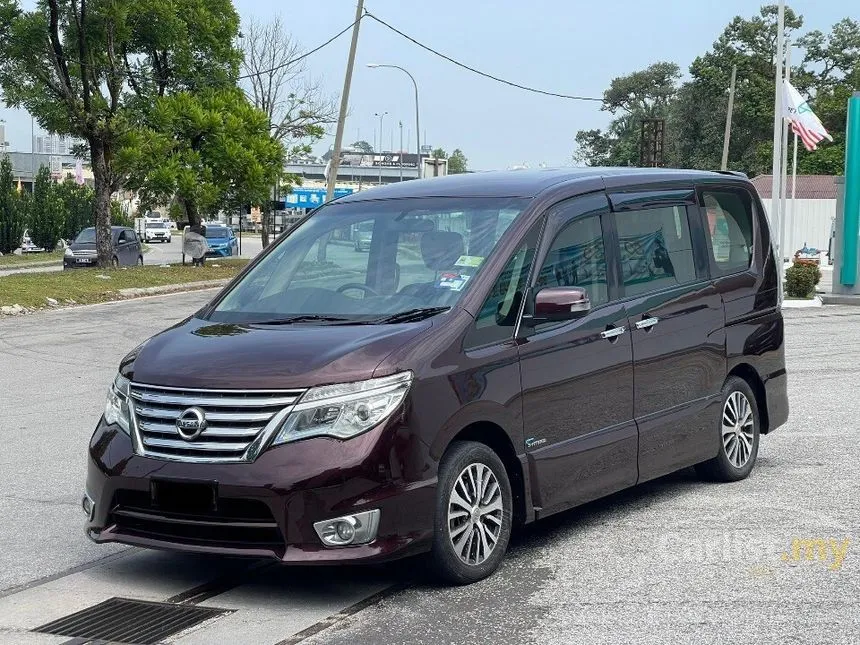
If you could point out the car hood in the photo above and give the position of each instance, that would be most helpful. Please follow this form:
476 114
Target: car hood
83 246
217 240
202 354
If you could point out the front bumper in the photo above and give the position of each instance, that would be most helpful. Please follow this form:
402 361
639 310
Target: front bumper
266 508
221 252
73 263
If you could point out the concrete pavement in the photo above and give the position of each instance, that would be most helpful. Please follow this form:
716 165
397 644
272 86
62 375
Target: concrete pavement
675 560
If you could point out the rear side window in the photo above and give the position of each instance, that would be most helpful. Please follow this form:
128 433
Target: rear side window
656 251
729 229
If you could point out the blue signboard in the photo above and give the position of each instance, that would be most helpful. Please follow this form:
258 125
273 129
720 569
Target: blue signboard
311 197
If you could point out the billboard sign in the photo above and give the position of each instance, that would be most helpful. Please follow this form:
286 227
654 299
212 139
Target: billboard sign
302 197
379 160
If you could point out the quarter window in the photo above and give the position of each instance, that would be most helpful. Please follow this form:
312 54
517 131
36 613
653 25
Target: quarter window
656 251
728 227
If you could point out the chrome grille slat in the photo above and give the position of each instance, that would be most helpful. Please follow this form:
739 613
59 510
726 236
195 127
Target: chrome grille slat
181 444
147 396
211 431
173 414
239 422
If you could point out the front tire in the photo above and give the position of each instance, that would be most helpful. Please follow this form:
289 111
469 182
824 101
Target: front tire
739 429
473 513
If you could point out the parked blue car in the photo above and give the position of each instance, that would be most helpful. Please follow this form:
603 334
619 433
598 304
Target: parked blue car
222 242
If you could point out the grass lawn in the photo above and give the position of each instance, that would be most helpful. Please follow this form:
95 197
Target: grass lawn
83 286
27 258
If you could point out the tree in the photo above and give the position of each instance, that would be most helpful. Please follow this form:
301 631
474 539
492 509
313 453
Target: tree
46 211
438 153
208 150
86 67
12 215
77 207
362 146
646 93
295 104
457 162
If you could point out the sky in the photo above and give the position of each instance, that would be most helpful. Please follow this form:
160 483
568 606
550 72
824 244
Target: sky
567 46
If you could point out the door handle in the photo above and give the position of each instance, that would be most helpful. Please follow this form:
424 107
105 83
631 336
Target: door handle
612 333
648 323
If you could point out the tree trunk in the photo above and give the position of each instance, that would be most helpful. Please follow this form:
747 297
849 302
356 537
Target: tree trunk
191 212
264 231
101 206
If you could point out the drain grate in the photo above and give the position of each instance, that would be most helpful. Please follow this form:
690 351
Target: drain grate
136 622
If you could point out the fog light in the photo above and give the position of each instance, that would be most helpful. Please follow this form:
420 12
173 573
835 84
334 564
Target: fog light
359 528
89 506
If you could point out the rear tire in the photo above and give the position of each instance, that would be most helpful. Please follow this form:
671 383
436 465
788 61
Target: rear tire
738 428
473 514
114 262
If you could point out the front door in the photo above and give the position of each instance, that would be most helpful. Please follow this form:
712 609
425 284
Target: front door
577 376
675 317
122 248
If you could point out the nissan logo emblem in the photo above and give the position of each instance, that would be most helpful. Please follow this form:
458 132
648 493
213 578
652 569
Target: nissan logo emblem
191 423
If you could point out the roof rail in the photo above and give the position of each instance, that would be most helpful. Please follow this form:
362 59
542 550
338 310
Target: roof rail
736 173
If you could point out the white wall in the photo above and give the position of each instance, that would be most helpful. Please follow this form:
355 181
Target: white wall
809 221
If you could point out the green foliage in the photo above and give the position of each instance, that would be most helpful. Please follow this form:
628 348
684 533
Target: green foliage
46 211
457 162
12 210
812 269
362 145
118 217
438 153
799 281
825 66
77 206
208 150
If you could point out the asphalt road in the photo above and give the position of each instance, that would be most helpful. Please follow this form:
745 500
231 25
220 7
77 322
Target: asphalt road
675 560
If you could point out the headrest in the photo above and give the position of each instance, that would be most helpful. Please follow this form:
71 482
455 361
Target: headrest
441 249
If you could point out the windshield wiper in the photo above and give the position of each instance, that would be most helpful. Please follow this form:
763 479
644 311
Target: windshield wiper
302 318
410 315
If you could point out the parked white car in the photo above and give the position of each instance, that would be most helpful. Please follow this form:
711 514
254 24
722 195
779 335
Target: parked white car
157 232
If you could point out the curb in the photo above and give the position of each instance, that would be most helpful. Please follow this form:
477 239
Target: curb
29 265
840 299
802 304
134 292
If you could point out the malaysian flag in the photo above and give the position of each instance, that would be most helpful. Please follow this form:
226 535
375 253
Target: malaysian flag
803 121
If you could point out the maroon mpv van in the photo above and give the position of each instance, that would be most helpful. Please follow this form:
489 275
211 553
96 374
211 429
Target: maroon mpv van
509 345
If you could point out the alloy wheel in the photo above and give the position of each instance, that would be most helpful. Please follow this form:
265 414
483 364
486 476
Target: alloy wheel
738 429
475 508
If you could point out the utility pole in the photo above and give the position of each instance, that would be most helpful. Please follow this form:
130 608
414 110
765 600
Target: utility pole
727 136
783 179
344 104
381 116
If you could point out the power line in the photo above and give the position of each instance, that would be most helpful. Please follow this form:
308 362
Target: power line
479 72
305 55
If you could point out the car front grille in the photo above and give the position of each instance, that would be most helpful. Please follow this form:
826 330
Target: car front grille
238 422
86 253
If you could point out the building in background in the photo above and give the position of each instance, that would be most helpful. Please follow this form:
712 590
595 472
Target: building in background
811 215
54 144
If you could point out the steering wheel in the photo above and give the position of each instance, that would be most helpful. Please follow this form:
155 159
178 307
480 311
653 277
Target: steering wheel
357 285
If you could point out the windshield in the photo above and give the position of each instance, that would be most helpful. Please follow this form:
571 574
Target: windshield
156 225
216 231
87 235
423 254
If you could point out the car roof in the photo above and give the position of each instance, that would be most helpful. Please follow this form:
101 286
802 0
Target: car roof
525 183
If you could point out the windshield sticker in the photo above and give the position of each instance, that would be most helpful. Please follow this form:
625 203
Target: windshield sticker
473 261
452 281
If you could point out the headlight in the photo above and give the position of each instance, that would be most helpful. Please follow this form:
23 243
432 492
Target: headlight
345 410
116 406
69 253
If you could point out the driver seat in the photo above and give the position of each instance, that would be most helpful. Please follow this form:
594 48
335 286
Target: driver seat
440 251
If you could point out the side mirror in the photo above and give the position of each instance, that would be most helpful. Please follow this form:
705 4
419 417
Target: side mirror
557 304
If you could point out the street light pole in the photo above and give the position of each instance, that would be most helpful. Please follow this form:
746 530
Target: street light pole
417 122
381 116
400 156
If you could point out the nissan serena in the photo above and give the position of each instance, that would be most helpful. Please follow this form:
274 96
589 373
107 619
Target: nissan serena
511 345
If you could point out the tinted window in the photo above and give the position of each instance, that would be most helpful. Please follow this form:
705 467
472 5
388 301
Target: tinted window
497 318
123 237
216 231
656 251
577 258
728 227
87 235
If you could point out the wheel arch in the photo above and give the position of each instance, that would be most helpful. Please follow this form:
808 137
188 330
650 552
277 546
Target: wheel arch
494 436
749 374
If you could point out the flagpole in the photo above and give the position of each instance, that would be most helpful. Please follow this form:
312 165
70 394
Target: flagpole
790 221
777 131
783 180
